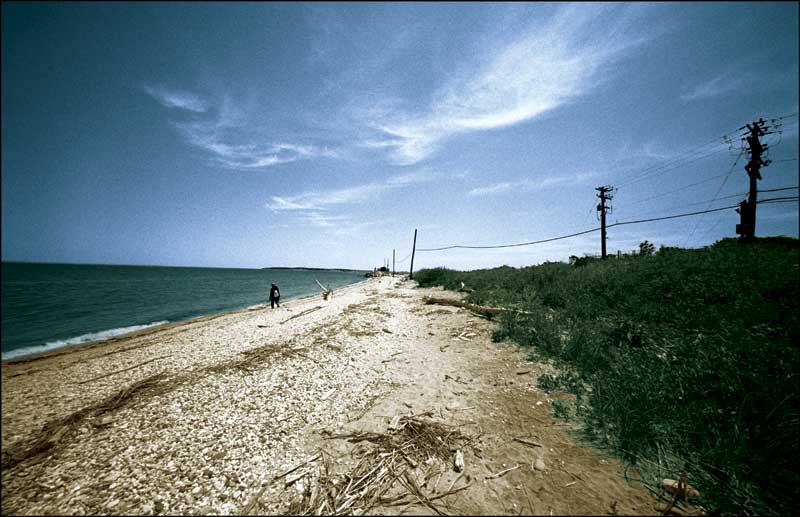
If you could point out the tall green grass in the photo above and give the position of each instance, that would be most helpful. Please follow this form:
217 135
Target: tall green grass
684 357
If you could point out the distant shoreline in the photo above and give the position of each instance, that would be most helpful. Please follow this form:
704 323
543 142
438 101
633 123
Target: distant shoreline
193 267
318 269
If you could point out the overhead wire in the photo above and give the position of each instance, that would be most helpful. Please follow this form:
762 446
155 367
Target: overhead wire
621 223
722 185
696 213
777 128
663 194
779 189
682 161
682 156
791 115
774 199
403 259
685 158
510 245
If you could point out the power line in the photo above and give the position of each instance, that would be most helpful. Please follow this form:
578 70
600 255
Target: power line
697 213
681 159
773 199
784 116
674 216
707 202
723 197
511 245
769 200
793 200
403 259
741 153
779 189
726 138
663 194
720 217
668 166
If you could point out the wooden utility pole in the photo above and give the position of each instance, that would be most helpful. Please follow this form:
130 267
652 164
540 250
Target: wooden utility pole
604 194
392 261
747 209
413 250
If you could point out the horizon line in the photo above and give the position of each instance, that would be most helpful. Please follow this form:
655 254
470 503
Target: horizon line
257 268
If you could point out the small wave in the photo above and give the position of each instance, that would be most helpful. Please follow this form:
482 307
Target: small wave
85 338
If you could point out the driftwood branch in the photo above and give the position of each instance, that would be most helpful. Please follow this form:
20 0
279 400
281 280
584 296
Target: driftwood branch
528 442
123 370
502 472
477 308
318 307
248 509
326 291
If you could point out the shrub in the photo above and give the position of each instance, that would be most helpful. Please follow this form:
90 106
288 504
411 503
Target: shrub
688 356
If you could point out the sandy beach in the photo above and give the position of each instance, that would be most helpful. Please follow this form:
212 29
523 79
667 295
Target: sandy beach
258 411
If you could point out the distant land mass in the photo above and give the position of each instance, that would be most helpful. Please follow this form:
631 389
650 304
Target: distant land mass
314 268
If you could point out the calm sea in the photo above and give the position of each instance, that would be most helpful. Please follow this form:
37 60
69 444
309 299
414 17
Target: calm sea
49 306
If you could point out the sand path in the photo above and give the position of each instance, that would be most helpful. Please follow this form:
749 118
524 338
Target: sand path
200 417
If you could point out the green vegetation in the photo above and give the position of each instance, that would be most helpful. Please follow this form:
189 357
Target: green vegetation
681 357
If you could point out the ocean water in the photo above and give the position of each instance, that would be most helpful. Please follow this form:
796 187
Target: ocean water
50 306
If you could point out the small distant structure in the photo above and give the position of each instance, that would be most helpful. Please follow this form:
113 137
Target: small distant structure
378 272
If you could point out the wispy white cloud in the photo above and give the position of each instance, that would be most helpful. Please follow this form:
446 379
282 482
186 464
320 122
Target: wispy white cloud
322 220
529 184
341 224
715 87
350 195
497 188
355 228
543 69
228 135
177 99
254 155
239 147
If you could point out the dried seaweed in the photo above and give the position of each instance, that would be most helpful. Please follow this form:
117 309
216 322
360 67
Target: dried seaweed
384 473
54 431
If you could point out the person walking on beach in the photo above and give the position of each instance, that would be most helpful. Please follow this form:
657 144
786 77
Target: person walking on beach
274 296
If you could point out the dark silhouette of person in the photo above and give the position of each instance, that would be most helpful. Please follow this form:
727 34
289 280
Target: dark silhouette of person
274 296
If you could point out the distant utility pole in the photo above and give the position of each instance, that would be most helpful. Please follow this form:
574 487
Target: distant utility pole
392 261
413 250
747 208
604 194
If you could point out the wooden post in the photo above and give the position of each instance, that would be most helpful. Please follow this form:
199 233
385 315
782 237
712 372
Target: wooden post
392 262
604 195
413 250
753 171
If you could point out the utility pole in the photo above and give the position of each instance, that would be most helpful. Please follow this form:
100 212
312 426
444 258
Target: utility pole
747 208
413 250
604 194
392 261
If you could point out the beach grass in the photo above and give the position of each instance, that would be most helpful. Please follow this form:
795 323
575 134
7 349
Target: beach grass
686 358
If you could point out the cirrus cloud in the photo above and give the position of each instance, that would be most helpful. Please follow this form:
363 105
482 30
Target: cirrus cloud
544 68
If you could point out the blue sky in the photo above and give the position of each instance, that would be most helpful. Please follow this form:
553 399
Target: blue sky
321 135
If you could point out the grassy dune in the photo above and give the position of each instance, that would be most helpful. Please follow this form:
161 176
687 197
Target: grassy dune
685 357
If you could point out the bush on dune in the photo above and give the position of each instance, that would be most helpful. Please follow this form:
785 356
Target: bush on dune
689 356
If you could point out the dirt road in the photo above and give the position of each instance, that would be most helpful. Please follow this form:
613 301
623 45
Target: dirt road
213 416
